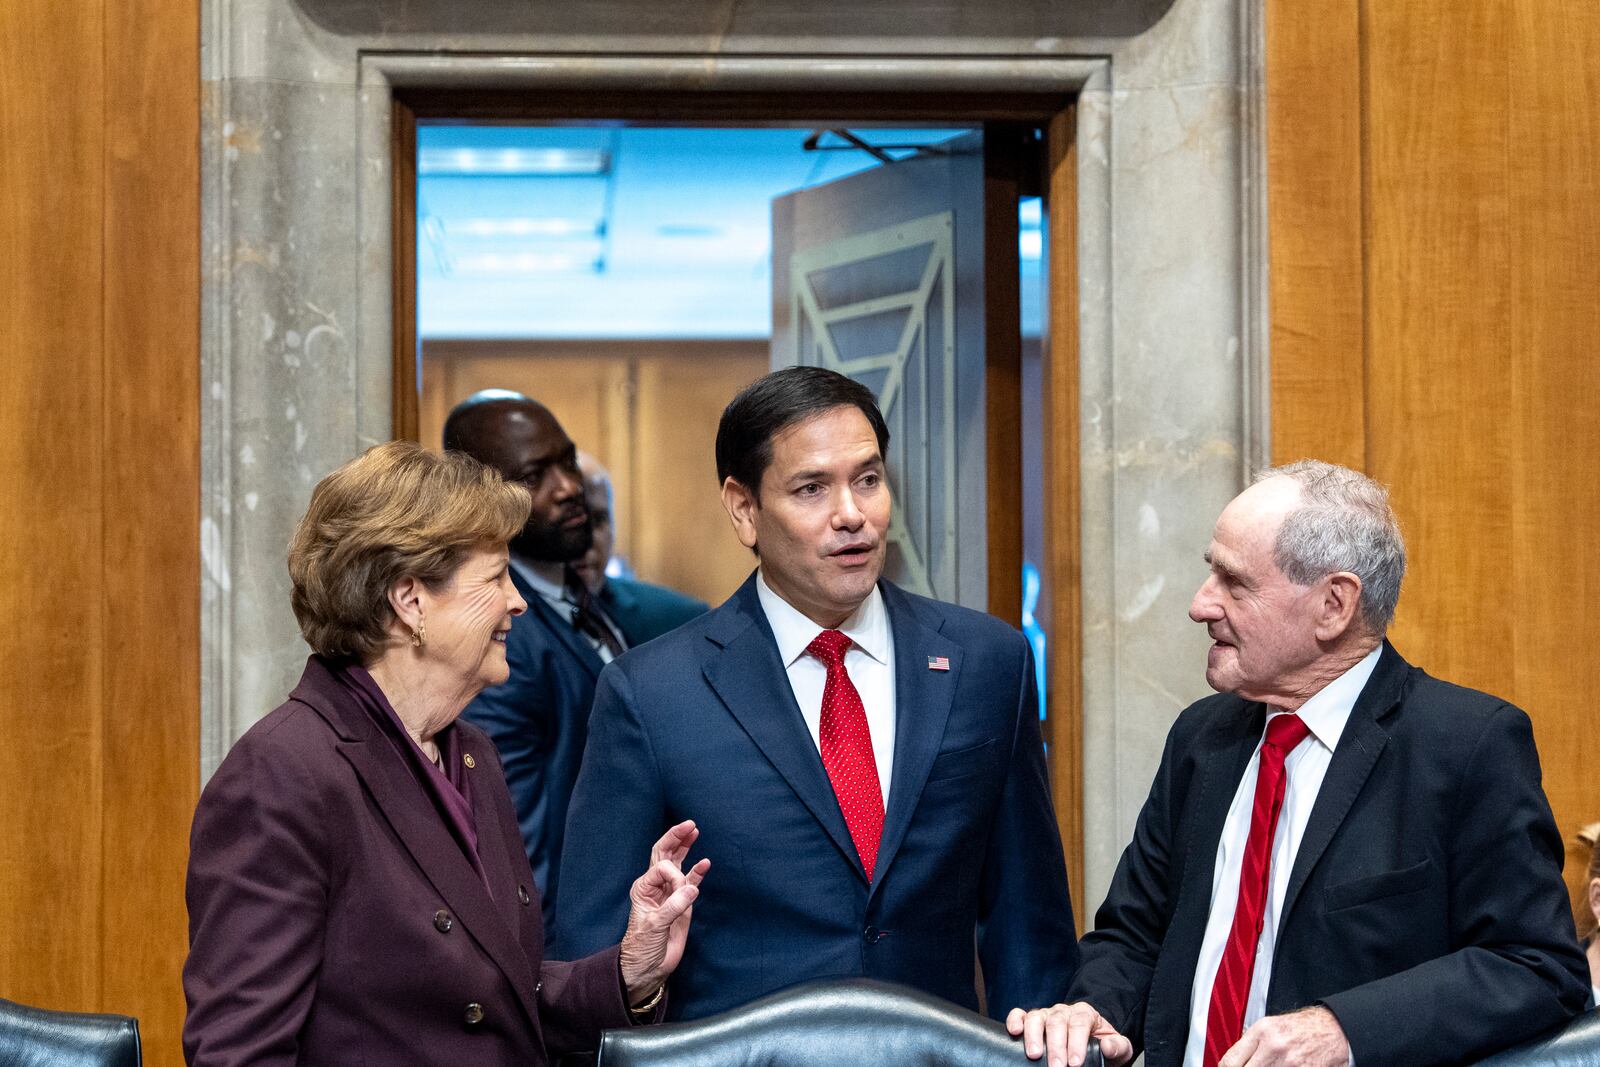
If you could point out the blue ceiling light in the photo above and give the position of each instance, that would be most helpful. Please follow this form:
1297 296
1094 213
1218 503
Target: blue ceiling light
511 162
525 226
669 236
513 263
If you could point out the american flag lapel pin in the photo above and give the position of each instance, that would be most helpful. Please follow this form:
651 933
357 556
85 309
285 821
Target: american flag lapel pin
938 663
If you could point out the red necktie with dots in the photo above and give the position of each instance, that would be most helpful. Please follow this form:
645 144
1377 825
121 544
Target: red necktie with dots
1231 988
847 750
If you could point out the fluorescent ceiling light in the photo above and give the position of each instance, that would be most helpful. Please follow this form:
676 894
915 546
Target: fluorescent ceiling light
524 263
523 227
514 162
690 229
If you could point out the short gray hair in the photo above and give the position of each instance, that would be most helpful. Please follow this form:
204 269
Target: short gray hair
1343 523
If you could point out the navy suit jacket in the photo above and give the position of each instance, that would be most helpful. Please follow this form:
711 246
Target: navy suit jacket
702 724
1425 908
643 612
539 720
333 918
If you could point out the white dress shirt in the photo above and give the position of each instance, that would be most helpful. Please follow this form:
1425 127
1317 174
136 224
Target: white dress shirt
561 602
869 661
1325 715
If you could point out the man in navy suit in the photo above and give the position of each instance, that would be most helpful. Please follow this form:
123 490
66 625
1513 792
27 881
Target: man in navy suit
1342 860
539 718
642 611
865 765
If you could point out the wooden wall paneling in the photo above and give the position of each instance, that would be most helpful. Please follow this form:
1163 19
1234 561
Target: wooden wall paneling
1479 151
1439 313
1063 538
150 590
52 97
437 375
1314 210
684 539
1553 405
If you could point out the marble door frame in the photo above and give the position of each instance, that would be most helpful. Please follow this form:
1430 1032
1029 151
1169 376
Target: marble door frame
297 302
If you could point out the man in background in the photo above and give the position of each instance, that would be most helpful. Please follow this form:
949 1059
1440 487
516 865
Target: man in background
643 611
1341 859
539 719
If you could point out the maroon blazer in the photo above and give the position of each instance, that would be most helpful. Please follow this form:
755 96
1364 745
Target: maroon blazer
333 919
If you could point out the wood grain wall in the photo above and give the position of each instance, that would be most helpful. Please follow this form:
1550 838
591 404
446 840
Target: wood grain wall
1434 188
99 503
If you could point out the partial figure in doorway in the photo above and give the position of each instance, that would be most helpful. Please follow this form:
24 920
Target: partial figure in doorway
1590 927
539 719
877 791
643 611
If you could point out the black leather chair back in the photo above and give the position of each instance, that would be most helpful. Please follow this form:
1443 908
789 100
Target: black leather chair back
33 1037
854 1022
1575 1045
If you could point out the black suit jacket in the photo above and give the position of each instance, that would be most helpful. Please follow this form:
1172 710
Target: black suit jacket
1425 907
539 721
702 724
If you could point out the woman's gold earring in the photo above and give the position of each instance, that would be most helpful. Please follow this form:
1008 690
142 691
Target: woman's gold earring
419 636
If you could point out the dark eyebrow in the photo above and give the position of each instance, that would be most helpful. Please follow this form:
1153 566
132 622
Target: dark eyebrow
565 455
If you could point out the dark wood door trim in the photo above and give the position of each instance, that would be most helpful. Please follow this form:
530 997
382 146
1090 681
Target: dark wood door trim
1063 564
1002 389
407 353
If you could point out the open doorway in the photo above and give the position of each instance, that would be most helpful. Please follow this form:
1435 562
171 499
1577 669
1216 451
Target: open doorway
623 276
633 266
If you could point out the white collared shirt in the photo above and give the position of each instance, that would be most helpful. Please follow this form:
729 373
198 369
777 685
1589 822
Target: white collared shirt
1325 715
562 604
869 662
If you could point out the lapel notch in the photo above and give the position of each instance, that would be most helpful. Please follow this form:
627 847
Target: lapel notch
923 699
750 680
420 829
1359 747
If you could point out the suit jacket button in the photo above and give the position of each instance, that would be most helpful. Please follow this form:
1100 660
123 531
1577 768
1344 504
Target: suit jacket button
872 935
538 987
442 921
522 894
474 1014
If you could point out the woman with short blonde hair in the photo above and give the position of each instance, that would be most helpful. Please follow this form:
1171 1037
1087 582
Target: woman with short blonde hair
358 891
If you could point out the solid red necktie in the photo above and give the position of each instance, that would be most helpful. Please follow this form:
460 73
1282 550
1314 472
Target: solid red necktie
1231 989
846 744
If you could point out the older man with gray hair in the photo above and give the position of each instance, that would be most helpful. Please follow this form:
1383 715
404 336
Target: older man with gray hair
1341 860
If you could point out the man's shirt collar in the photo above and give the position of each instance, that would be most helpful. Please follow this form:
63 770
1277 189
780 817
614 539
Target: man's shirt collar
1328 710
527 571
867 626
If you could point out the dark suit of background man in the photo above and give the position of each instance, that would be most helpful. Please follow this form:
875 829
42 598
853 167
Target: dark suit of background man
878 816
539 718
642 611
1341 857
